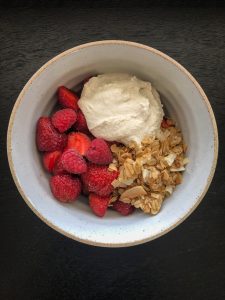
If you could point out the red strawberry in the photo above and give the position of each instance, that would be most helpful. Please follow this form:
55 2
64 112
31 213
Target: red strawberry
59 168
123 208
98 204
166 123
81 124
63 119
99 152
79 142
73 162
98 179
67 98
65 188
50 158
47 137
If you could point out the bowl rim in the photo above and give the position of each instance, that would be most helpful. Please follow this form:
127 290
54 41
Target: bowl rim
99 43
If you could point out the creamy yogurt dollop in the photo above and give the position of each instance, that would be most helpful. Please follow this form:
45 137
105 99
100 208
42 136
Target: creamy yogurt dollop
120 107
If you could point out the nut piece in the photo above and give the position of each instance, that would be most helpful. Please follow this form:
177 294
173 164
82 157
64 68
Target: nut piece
112 167
148 173
133 192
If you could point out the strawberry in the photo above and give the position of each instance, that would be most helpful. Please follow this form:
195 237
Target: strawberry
98 204
79 142
73 162
98 179
99 152
63 119
166 123
67 98
65 188
47 137
81 124
123 208
50 158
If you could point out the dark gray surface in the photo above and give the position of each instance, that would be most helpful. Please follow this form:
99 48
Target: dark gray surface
37 262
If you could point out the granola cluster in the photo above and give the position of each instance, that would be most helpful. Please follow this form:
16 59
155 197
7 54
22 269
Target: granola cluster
149 172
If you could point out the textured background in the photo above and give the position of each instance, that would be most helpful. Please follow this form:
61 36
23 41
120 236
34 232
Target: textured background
37 262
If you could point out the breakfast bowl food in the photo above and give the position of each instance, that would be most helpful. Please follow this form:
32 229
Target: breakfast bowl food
184 102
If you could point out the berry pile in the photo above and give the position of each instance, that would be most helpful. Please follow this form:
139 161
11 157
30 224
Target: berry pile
77 161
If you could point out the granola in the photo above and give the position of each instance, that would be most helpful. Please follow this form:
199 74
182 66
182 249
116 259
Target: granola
149 173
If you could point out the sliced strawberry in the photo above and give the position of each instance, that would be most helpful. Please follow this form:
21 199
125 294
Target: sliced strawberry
79 142
50 158
67 98
98 204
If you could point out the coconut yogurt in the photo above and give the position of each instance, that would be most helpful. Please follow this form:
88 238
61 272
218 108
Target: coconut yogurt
120 107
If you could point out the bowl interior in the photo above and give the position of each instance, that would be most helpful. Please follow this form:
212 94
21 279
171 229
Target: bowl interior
182 100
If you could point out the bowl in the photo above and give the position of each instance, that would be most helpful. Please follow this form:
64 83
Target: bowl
183 99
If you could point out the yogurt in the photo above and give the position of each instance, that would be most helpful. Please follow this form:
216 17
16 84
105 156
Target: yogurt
120 107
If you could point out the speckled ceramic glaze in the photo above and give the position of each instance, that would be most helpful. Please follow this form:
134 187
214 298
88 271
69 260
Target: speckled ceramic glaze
183 99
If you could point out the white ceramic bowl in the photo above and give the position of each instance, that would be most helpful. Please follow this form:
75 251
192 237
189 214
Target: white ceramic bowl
182 97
